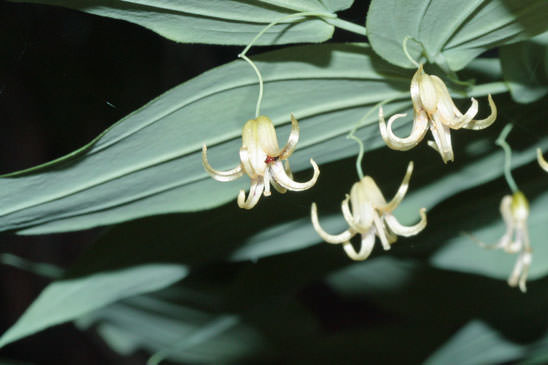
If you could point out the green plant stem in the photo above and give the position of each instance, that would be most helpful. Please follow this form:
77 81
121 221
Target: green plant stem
261 84
351 135
361 152
501 141
346 25
259 35
404 46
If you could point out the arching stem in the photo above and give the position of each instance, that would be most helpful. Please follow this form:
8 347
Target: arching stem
351 135
501 141
404 46
261 84
265 29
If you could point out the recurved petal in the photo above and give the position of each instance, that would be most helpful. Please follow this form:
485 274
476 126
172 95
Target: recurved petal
381 232
420 127
442 140
462 120
367 244
478 124
415 90
292 140
359 226
402 190
428 91
520 271
220 175
277 186
506 210
406 231
541 161
253 197
280 175
329 238
246 163
267 178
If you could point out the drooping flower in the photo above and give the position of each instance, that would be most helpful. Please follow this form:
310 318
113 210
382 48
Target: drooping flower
263 161
541 161
515 211
433 107
371 216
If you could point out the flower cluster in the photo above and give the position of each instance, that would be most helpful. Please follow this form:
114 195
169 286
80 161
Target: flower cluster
365 209
434 109
263 161
371 216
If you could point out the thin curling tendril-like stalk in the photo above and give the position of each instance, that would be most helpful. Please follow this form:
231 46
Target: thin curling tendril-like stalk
501 141
351 135
404 46
248 47
261 84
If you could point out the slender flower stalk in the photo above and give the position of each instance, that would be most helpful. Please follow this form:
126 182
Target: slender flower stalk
263 161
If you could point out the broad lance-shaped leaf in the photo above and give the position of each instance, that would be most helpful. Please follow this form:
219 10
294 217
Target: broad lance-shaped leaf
525 67
65 300
232 22
452 32
149 162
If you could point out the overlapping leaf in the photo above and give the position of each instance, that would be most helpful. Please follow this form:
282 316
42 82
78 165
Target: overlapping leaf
175 331
65 300
451 32
149 162
216 21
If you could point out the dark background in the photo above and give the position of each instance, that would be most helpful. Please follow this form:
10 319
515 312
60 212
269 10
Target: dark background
66 76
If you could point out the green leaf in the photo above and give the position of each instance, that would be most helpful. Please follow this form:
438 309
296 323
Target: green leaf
451 32
476 343
65 300
176 331
525 67
149 162
230 22
286 237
